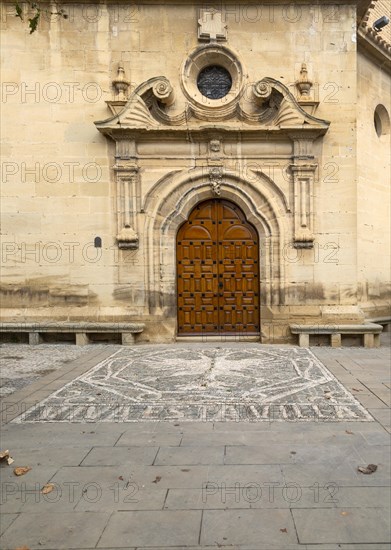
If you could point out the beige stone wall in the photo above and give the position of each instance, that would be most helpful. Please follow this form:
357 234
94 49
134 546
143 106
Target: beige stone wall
58 183
374 195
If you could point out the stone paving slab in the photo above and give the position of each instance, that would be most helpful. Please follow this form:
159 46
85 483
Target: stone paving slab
269 546
59 435
333 429
293 453
106 476
371 401
311 434
49 457
157 529
248 527
63 499
224 426
342 474
211 496
238 437
377 438
367 546
124 495
6 520
186 456
120 456
376 455
233 474
55 531
170 476
382 415
218 496
363 497
224 547
349 525
153 439
100 475
31 481
11 499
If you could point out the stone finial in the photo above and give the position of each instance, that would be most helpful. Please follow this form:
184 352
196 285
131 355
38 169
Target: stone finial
304 84
120 83
211 26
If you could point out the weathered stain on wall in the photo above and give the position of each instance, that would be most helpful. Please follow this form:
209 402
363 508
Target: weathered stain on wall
36 293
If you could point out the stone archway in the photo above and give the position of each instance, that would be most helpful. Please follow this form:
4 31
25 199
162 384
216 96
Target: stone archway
217 259
168 206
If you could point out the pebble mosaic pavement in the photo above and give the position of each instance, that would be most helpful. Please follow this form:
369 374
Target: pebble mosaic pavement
158 383
21 365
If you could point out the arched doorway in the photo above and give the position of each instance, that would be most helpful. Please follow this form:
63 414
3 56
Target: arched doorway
217 271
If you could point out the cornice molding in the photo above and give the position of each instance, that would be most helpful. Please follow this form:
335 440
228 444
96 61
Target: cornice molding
370 43
278 113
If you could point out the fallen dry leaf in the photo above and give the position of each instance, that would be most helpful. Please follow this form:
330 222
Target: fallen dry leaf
283 530
367 469
48 488
344 513
349 432
21 470
5 455
121 478
157 479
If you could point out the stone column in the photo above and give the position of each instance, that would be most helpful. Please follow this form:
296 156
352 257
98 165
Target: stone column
303 171
303 191
127 196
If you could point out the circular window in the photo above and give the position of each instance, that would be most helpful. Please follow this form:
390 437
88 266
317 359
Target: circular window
214 82
381 121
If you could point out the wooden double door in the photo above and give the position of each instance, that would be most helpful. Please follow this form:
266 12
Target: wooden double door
218 271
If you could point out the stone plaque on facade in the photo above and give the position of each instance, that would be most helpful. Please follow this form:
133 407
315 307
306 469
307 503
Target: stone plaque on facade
211 26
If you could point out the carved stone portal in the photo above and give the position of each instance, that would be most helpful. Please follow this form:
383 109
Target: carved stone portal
146 118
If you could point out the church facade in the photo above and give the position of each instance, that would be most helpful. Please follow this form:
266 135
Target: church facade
209 170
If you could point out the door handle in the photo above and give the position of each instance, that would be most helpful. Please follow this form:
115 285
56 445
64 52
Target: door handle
221 285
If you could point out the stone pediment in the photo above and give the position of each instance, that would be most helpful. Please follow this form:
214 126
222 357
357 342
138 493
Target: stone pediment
267 106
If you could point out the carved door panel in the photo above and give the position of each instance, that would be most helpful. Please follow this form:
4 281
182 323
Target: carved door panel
217 267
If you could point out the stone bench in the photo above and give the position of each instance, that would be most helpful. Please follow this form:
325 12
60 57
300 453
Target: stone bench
385 322
81 330
369 331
